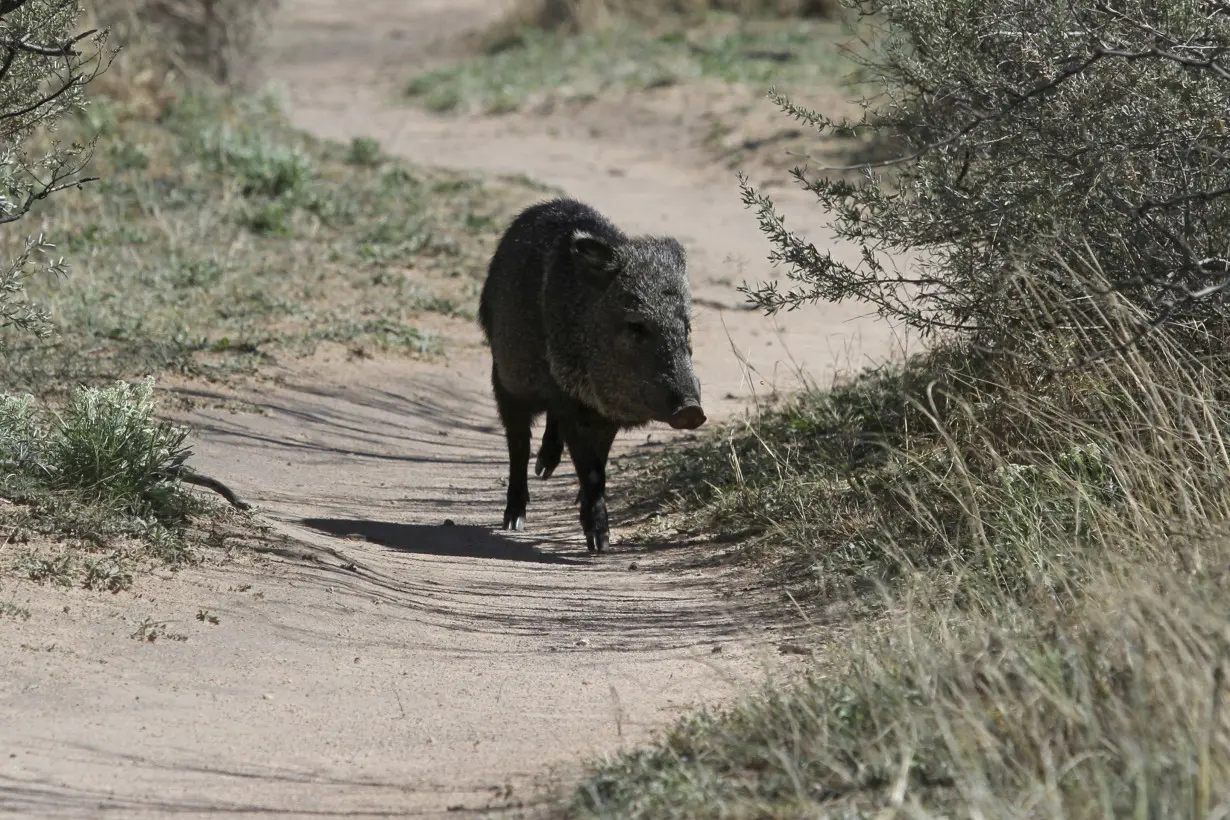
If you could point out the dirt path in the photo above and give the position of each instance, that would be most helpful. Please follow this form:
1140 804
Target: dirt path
390 662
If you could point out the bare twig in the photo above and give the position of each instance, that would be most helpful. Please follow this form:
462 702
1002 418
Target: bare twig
21 112
189 476
179 473
65 49
1198 196
1153 324
8 62
10 5
1210 64
46 191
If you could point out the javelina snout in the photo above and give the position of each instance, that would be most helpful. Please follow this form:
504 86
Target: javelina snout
593 328
688 418
687 412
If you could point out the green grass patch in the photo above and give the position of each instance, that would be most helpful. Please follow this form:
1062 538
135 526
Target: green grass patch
92 491
541 65
11 610
219 239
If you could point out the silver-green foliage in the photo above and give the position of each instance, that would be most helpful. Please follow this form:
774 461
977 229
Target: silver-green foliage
108 446
111 443
1030 135
44 68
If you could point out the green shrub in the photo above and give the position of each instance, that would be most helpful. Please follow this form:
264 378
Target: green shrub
261 165
109 445
107 448
46 70
364 151
101 479
22 436
1037 138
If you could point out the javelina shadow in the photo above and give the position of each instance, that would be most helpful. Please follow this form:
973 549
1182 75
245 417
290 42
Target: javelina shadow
453 541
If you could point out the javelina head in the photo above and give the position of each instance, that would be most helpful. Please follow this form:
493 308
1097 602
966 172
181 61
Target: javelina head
640 329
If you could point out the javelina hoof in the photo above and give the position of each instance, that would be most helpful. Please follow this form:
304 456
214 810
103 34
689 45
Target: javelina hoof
545 465
597 541
551 451
514 521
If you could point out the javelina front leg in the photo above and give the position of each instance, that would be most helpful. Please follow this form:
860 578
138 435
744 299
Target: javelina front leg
589 444
516 419
551 449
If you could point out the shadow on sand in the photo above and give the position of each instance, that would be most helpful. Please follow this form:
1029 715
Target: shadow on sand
448 540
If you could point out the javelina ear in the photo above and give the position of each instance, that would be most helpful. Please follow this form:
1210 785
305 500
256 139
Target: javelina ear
596 257
678 255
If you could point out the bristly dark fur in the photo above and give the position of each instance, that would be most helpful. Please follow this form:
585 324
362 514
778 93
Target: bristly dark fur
591 327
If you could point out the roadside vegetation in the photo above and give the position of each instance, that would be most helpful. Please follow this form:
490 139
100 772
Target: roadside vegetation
587 15
161 224
1023 531
561 52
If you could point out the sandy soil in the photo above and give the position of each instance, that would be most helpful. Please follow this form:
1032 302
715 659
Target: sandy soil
396 656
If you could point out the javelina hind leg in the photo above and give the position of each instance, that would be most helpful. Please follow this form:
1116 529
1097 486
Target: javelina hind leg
551 449
517 419
589 444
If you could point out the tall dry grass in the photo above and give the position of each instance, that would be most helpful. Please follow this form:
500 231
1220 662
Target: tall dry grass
1042 559
217 39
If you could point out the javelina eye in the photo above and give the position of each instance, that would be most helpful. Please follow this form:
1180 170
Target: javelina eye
637 328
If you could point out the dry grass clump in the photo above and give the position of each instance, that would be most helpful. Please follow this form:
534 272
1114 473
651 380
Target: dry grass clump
215 38
1042 565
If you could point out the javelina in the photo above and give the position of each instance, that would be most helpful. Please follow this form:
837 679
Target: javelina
593 328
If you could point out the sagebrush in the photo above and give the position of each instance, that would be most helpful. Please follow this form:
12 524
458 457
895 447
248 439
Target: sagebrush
46 67
1034 136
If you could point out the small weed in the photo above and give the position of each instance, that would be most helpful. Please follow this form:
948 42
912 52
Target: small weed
110 445
128 157
57 569
101 471
272 218
364 151
10 610
150 631
107 574
261 163
205 615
